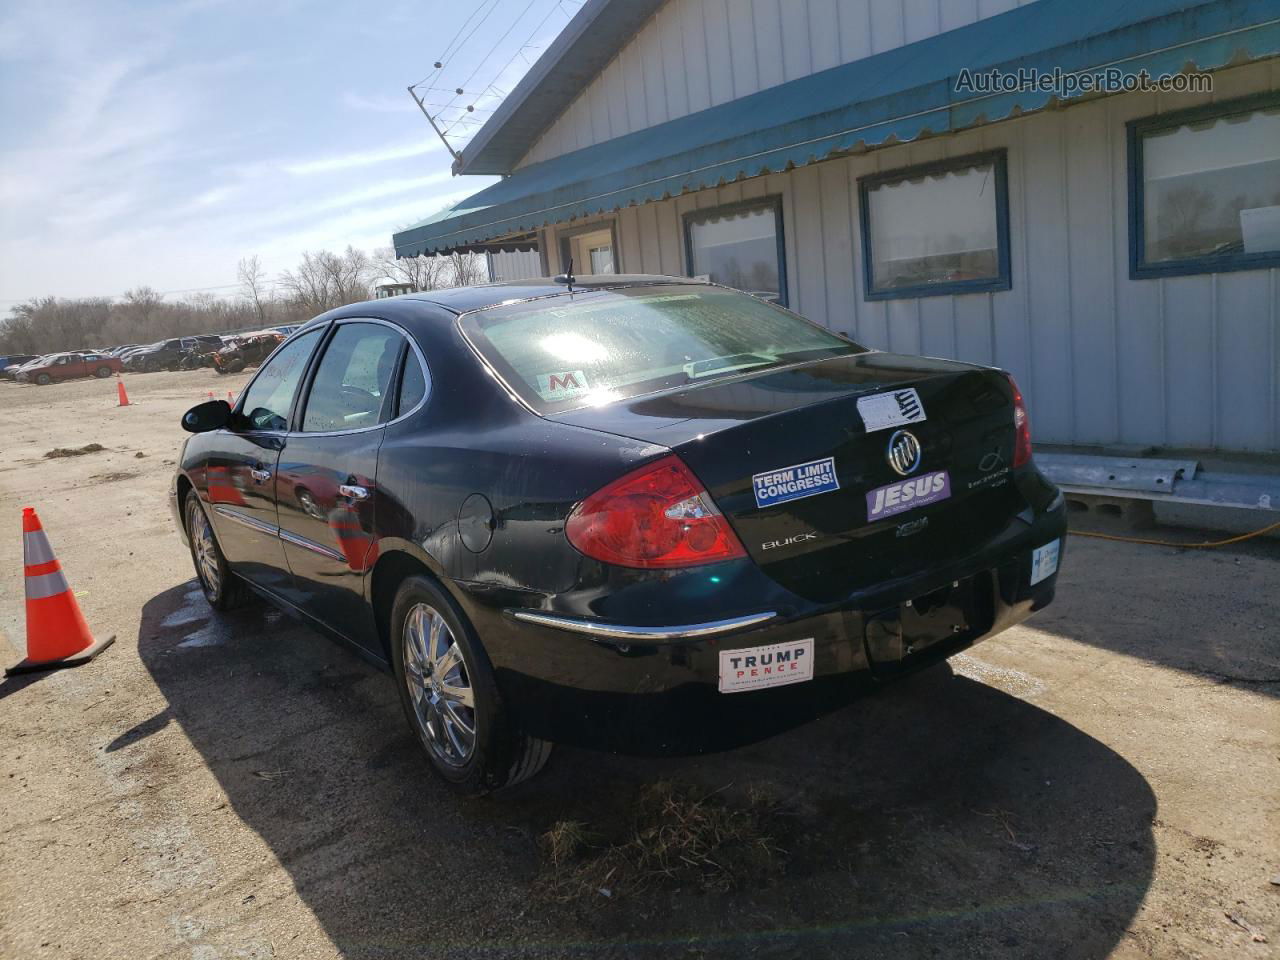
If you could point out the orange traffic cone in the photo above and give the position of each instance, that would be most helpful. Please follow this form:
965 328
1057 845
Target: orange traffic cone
57 635
122 396
230 400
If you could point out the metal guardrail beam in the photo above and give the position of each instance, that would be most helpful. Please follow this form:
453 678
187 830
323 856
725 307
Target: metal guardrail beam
1170 481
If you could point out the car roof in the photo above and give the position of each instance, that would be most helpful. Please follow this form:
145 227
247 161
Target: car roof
484 295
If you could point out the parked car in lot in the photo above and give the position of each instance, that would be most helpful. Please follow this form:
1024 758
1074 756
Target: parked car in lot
201 353
244 351
68 366
168 354
10 363
650 515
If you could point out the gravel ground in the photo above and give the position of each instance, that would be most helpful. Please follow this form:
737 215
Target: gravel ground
1100 782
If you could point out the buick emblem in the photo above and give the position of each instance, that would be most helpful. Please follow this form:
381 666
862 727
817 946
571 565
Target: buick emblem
904 452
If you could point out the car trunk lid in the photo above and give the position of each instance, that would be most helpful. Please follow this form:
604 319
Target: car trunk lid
800 461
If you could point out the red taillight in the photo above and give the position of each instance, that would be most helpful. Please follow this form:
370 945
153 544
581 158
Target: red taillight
1022 427
657 516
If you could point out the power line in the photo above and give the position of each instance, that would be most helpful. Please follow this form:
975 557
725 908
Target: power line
455 119
506 33
448 50
526 45
451 50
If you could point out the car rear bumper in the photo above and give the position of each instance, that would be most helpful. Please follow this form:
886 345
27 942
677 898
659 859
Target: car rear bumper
657 690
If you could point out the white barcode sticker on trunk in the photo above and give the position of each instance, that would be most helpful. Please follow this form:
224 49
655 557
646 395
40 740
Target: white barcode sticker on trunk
771 666
1044 561
884 410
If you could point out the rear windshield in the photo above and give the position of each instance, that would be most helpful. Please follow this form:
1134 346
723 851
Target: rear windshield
598 346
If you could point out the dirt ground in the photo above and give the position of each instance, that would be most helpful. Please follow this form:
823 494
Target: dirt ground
1101 782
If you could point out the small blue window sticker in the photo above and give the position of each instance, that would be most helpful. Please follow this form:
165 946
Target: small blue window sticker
795 482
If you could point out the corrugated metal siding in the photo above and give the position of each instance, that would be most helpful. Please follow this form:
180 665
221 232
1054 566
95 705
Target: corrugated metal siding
514 265
695 54
1181 361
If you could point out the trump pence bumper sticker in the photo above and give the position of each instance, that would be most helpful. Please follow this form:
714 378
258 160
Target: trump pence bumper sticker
770 666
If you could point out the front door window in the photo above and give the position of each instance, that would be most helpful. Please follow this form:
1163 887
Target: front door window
267 401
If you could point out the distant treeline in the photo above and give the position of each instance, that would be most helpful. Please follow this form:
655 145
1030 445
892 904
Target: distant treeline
321 281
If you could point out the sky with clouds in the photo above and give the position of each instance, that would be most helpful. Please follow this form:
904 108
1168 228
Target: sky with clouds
159 142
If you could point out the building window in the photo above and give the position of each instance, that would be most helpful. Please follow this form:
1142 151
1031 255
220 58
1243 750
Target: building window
1204 189
739 245
939 228
592 249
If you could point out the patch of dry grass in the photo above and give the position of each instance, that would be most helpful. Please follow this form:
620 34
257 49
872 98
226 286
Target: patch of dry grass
679 837
59 452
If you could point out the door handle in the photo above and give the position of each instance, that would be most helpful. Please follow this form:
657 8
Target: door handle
353 492
259 476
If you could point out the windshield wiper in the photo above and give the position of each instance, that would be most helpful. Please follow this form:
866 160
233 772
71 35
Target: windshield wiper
734 361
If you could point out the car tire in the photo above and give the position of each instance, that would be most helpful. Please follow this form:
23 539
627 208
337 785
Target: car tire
43 379
427 627
222 588
102 373
235 366
150 366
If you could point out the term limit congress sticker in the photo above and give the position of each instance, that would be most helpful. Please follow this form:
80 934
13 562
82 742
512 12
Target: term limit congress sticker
792 483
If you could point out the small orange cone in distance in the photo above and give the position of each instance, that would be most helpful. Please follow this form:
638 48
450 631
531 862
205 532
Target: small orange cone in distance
57 635
122 396
229 400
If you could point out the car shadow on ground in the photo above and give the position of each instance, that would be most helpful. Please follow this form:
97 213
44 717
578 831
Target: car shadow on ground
939 817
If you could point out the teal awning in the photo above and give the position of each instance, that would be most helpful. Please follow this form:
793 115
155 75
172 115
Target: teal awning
892 97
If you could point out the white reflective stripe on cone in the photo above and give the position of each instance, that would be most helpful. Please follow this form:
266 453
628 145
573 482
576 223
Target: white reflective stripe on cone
46 585
35 548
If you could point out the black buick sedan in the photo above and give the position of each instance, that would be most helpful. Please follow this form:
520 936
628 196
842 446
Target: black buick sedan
639 513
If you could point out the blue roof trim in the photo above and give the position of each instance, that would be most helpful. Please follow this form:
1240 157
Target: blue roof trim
901 94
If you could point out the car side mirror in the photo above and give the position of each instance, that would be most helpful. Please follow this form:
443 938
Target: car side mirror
210 415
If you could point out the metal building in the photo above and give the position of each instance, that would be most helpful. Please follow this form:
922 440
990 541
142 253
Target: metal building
1118 252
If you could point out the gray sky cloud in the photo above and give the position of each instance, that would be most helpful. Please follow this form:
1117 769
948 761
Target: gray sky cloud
159 143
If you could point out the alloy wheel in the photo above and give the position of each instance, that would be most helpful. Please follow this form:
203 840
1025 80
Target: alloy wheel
206 551
439 686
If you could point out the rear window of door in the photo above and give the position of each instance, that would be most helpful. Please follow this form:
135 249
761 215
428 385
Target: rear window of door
350 387
413 384
267 401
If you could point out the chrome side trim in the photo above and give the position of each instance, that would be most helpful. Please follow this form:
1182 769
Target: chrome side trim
597 628
289 537
252 522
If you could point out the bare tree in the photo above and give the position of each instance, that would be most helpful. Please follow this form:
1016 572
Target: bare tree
50 323
350 273
308 285
468 268
253 283
1181 221
324 280
421 273
321 281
